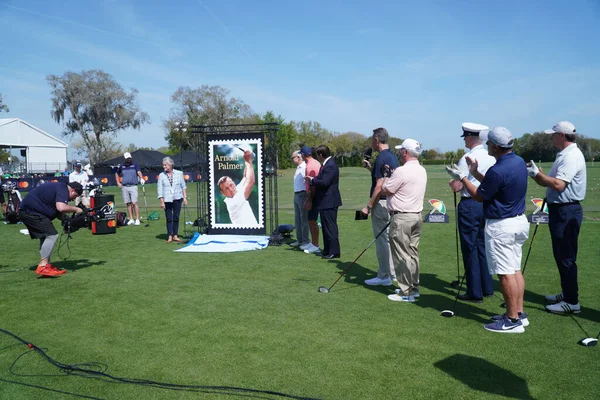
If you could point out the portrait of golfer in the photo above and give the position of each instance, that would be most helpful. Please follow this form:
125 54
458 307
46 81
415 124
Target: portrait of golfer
236 196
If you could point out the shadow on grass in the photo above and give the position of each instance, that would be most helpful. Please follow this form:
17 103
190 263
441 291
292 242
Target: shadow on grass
480 374
74 265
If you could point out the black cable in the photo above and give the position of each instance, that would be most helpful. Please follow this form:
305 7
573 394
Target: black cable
50 389
98 372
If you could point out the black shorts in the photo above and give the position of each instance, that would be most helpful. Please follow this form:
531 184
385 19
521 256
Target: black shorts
39 226
313 214
1 195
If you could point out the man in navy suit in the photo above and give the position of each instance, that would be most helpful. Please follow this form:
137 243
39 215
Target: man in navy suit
327 199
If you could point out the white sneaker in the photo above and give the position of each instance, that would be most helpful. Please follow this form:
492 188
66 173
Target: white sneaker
397 297
137 221
305 246
554 298
415 293
295 244
130 222
564 308
379 282
312 249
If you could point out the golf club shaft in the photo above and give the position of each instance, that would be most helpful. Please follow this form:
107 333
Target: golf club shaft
145 203
361 253
456 237
532 239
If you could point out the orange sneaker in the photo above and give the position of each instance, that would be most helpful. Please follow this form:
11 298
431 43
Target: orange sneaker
57 270
48 270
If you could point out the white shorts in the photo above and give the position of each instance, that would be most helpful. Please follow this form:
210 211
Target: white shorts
504 240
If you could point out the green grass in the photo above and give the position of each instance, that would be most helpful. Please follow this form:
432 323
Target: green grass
255 319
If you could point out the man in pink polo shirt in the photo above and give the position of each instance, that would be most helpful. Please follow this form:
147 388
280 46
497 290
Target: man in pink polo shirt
312 169
405 191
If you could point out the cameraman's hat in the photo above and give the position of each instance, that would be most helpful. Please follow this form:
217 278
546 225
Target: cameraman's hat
472 129
77 187
127 155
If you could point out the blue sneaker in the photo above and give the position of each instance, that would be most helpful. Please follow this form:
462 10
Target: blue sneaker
522 317
505 325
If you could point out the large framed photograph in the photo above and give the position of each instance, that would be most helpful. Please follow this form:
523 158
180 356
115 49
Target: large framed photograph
236 189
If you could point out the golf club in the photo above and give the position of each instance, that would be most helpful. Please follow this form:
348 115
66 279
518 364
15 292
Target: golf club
589 342
450 313
324 289
454 284
146 206
537 225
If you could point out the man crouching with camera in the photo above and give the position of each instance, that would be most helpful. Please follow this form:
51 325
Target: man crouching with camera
37 210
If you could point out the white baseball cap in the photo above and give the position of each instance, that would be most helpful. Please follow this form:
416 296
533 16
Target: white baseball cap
562 127
410 145
472 129
499 136
127 155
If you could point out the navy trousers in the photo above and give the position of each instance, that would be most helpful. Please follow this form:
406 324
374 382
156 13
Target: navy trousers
472 244
172 211
564 224
331 240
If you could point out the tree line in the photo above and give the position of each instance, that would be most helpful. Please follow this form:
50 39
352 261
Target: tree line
93 107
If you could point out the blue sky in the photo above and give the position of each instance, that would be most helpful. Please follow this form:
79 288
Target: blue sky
418 68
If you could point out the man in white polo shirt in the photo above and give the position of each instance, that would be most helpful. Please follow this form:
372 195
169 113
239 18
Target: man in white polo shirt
470 217
300 195
566 187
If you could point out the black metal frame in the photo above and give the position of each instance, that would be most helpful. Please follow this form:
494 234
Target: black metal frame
270 165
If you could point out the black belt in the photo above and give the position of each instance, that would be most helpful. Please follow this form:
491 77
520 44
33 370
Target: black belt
382 197
301 191
130 185
404 212
466 198
562 204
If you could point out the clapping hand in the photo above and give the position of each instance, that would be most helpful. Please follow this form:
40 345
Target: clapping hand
532 169
472 165
455 172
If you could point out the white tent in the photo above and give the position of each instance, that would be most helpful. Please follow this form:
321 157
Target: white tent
43 152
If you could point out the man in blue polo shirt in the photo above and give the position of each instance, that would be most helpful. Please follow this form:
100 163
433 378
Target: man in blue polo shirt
377 206
130 173
502 191
566 186
37 210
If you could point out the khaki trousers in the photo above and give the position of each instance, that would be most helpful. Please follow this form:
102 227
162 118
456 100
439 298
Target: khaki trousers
405 233
379 219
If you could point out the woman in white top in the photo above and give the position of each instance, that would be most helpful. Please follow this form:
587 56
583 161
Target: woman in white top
171 193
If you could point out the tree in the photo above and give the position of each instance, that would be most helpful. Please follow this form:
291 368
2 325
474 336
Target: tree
94 107
206 105
286 136
4 154
311 134
3 107
110 148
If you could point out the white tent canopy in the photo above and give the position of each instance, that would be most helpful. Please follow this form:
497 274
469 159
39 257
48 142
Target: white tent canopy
43 152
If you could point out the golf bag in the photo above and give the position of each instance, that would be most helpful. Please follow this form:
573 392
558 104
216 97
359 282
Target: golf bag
13 199
122 219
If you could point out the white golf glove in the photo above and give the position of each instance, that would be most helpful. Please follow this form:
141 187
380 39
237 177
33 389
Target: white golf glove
142 181
532 169
455 172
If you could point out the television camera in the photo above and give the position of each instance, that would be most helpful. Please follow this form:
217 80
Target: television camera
84 220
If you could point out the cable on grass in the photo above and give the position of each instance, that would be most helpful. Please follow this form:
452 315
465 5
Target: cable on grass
97 370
